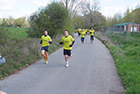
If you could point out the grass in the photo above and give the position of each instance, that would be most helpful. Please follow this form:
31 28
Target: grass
18 32
19 50
126 52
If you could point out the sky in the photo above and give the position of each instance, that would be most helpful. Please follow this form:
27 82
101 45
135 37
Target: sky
21 8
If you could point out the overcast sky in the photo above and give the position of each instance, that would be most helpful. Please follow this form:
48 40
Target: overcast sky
20 8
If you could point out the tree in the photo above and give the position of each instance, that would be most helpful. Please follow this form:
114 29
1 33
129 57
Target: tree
0 21
20 21
73 6
10 21
89 8
52 17
78 22
4 23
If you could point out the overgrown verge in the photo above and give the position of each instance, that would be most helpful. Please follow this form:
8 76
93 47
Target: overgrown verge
126 52
20 52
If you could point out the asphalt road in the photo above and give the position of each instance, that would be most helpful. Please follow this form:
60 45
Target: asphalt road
91 71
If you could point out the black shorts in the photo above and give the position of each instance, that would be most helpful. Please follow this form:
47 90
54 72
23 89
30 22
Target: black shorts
46 48
82 39
67 52
78 34
92 37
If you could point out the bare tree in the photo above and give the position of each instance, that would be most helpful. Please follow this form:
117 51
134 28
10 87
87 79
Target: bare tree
73 6
89 6
89 9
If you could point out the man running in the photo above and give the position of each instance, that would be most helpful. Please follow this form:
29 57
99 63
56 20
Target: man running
92 32
68 42
86 30
79 31
82 36
1 92
44 43
2 60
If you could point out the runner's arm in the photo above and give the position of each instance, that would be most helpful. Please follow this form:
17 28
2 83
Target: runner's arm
72 43
61 43
40 42
50 40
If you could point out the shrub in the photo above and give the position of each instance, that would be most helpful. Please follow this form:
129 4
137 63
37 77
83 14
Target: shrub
53 17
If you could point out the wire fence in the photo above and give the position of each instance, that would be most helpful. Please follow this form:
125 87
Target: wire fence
111 30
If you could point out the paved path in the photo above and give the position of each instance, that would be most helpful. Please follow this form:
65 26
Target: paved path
91 71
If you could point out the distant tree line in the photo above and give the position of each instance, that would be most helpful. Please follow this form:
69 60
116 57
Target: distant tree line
128 16
12 22
85 14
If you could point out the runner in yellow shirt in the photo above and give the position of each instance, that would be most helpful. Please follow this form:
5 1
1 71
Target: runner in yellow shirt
82 36
79 31
86 30
68 42
75 31
44 43
92 32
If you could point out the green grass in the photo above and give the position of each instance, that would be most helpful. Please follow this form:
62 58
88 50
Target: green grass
127 58
18 32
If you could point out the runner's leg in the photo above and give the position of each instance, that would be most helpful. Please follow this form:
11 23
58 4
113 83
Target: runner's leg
42 52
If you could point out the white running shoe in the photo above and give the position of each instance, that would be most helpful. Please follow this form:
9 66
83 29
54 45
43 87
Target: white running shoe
71 55
67 65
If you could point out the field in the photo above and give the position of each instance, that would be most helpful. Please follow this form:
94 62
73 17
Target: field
18 32
126 52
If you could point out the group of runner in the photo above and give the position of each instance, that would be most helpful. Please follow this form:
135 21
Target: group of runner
83 33
67 40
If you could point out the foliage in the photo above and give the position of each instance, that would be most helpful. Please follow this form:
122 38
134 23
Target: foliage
78 22
133 16
126 52
95 20
53 18
4 33
12 22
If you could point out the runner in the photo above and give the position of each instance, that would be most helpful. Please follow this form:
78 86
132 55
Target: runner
75 31
82 36
68 42
92 32
2 92
86 30
44 43
79 31
2 60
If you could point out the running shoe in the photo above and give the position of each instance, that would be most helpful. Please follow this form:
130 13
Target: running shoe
67 65
47 62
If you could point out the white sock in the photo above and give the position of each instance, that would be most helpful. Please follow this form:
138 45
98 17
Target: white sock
67 62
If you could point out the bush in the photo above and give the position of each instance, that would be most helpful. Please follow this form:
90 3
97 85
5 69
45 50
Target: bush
53 17
4 36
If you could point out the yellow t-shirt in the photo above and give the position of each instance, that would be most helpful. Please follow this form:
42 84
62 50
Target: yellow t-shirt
85 30
45 40
83 34
91 32
67 42
79 30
